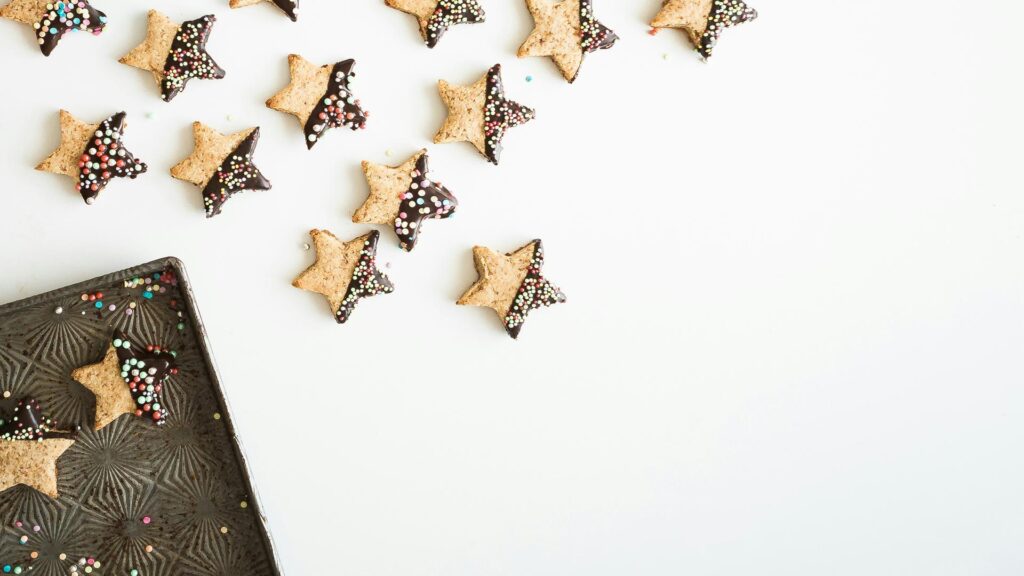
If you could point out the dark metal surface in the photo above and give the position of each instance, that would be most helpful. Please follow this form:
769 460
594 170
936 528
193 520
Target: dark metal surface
168 500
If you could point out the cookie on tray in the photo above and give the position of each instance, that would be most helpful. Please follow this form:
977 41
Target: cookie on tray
128 380
30 444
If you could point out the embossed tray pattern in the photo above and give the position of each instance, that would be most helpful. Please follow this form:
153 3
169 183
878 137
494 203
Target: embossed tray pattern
161 500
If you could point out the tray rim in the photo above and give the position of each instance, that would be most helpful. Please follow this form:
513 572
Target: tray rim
185 288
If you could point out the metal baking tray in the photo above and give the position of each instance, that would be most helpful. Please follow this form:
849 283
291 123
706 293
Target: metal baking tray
175 499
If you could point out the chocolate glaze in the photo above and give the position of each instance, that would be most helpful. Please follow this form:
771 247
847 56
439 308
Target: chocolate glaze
535 292
236 173
328 114
500 114
105 157
52 30
724 14
144 370
28 423
290 7
188 58
451 12
366 280
424 200
595 36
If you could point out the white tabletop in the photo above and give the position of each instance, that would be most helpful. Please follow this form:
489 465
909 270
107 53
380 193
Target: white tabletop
795 280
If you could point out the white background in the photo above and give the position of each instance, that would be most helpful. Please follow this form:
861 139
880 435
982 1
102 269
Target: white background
794 336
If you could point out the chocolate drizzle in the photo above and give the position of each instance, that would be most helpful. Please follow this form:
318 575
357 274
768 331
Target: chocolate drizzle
594 36
724 14
27 423
424 200
64 17
449 13
236 173
534 292
290 7
338 107
366 280
500 114
188 58
144 371
105 157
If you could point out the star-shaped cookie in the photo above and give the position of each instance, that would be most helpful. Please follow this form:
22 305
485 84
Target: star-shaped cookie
92 154
703 20
320 97
221 165
52 19
30 445
403 197
344 272
133 369
104 380
565 30
480 114
289 7
436 16
175 54
128 380
511 284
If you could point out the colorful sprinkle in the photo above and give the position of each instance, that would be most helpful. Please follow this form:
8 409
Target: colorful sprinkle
235 174
424 200
338 107
27 423
534 292
724 14
188 58
366 281
62 17
145 371
500 114
104 158
449 13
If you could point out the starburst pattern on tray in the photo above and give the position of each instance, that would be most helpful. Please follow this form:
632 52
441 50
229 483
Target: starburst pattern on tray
112 479
126 527
114 459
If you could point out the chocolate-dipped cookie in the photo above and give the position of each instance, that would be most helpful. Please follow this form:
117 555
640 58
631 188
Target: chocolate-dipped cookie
92 154
320 97
511 284
175 54
128 380
480 114
703 20
566 30
54 19
436 16
404 197
344 272
221 166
